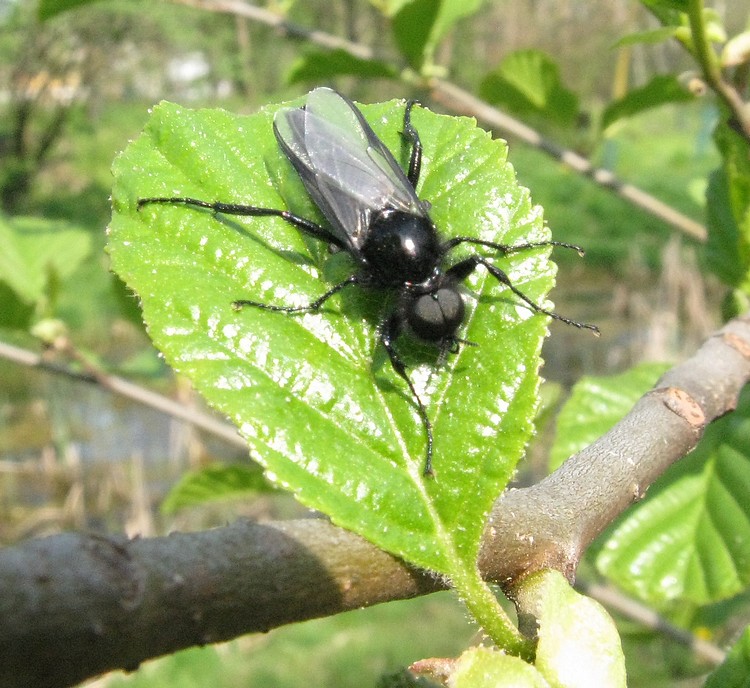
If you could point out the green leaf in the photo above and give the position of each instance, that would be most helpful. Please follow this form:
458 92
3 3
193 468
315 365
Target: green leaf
320 66
49 8
673 17
317 401
671 6
729 232
595 405
721 251
15 313
689 540
735 671
579 646
14 271
418 26
413 28
36 252
662 89
451 11
484 667
652 36
528 82
214 483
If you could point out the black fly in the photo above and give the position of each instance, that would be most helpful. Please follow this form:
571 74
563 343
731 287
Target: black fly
374 214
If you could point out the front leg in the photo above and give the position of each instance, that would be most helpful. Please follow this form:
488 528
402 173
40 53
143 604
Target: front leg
309 227
505 249
389 332
411 135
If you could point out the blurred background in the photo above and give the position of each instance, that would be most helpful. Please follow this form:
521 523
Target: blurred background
77 85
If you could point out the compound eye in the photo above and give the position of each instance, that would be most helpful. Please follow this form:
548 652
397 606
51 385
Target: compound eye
437 315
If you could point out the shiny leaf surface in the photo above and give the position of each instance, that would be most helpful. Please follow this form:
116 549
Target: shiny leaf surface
313 394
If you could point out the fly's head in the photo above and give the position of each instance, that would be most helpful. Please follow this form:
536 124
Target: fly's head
436 315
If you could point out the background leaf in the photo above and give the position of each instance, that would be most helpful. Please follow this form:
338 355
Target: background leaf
215 482
322 65
651 36
721 250
734 672
35 252
327 419
730 190
419 25
662 89
528 82
49 8
413 26
688 540
666 8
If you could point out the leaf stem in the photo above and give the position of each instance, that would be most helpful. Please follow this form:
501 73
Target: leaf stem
483 605
701 45
709 62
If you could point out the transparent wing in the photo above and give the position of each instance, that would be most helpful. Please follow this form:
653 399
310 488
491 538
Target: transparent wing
346 169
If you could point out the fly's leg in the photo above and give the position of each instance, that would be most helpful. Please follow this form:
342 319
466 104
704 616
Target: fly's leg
313 306
460 271
412 137
505 249
306 226
388 334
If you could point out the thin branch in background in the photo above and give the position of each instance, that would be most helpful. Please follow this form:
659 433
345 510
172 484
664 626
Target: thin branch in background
460 101
129 390
95 603
284 27
631 609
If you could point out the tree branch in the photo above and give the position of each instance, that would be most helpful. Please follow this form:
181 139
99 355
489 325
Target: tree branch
82 604
551 524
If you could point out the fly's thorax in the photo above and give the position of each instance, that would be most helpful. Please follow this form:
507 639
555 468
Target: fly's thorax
434 315
401 248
